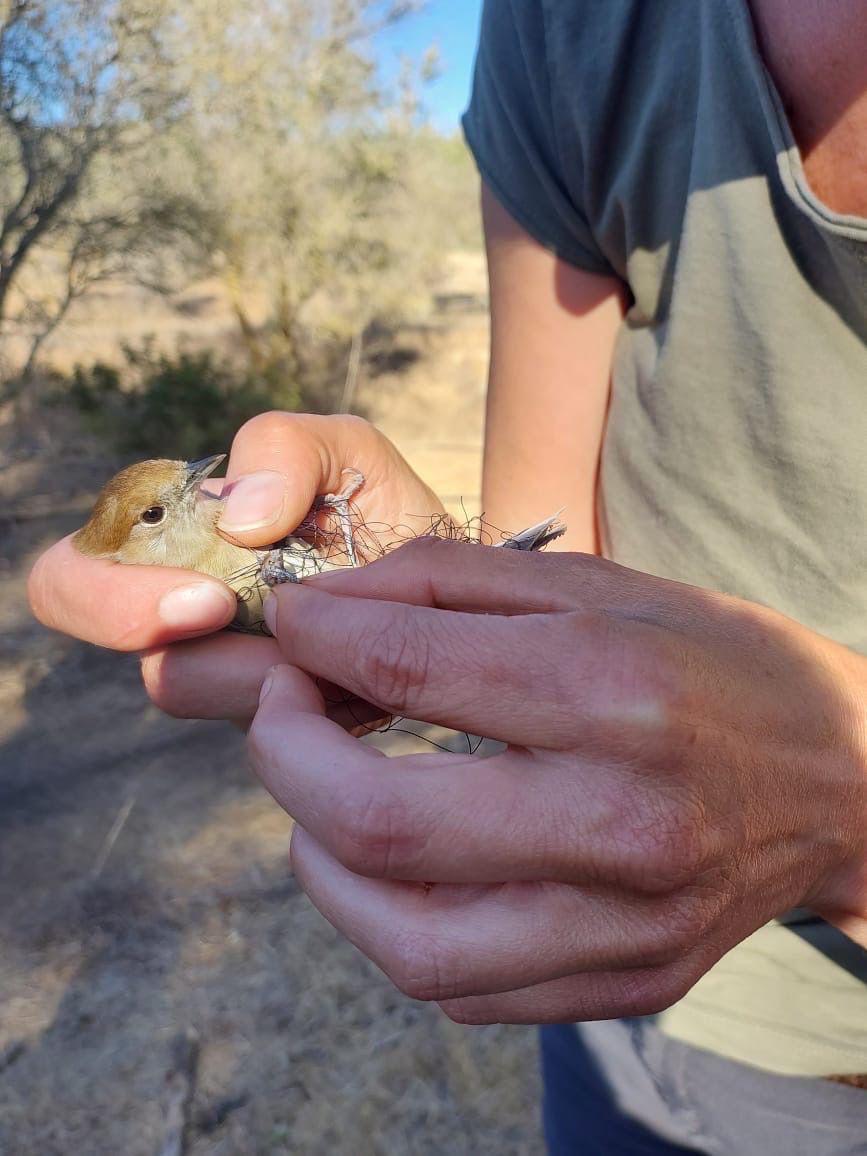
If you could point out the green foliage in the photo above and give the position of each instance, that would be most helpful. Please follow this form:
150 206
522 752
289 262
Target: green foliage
185 406
256 144
314 179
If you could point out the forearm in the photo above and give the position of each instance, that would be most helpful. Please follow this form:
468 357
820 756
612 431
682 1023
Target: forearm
542 450
552 340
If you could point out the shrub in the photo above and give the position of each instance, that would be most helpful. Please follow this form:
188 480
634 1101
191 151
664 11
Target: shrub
182 406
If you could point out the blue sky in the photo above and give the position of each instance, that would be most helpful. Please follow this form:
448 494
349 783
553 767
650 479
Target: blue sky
453 26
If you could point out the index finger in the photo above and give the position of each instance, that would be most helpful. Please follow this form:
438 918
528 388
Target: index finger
456 575
519 679
125 607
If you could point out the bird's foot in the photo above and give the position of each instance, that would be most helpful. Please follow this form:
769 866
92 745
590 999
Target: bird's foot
340 504
274 571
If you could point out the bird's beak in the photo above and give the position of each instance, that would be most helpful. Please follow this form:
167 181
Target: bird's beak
198 471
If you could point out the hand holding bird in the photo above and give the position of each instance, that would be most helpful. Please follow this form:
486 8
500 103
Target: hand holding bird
160 512
278 466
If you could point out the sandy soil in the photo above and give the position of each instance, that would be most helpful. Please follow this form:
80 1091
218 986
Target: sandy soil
144 890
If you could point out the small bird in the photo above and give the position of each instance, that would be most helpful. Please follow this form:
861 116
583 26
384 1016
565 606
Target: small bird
157 513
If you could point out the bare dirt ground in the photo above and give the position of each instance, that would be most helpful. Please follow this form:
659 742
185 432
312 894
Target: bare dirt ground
144 888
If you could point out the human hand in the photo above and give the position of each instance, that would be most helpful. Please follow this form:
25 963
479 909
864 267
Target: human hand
682 767
279 463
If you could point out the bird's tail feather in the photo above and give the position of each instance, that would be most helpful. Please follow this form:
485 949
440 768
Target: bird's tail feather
536 537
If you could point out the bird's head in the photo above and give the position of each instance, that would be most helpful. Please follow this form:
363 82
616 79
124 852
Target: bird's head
155 513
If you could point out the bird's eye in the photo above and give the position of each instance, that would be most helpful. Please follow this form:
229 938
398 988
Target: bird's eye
153 515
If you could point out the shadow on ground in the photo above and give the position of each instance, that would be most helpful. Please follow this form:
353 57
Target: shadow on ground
144 891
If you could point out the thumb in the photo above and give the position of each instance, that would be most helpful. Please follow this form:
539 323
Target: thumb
280 463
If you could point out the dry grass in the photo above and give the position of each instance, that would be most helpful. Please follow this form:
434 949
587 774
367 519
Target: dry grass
189 918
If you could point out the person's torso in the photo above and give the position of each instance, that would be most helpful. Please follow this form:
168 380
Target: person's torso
735 455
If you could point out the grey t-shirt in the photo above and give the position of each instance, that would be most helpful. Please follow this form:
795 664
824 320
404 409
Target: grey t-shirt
646 140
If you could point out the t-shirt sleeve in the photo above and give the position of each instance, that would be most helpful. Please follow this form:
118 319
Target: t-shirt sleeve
509 127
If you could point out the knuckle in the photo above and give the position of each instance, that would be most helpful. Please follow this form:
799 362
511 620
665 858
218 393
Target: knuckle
354 425
632 687
675 928
393 666
430 553
265 428
669 987
607 670
686 923
683 832
354 438
648 993
422 968
666 840
425 546
272 427
370 833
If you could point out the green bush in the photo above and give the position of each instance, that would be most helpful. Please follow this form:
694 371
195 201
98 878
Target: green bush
182 406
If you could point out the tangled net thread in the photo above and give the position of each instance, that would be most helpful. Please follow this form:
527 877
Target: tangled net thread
319 545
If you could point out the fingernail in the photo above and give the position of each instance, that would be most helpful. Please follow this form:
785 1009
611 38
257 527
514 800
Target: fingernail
198 607
269 610
266 686
254 502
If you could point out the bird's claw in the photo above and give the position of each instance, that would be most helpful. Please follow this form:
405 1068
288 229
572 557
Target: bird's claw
340 504
274 571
